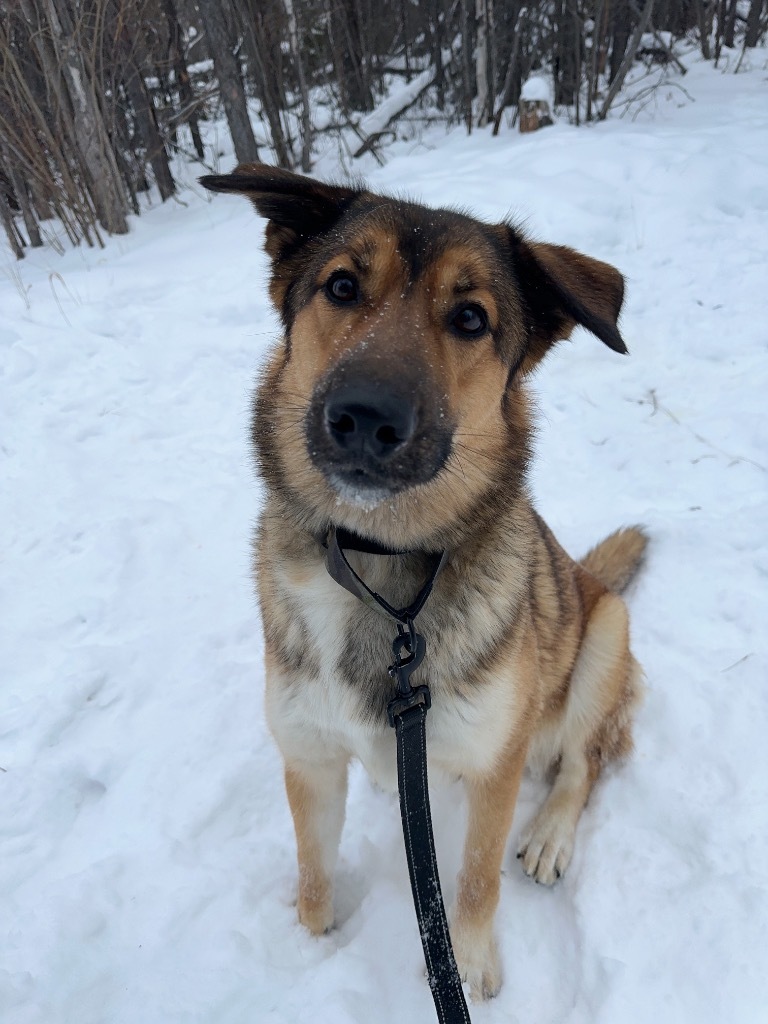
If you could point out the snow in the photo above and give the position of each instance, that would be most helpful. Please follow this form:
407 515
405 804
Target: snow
147 866
535 89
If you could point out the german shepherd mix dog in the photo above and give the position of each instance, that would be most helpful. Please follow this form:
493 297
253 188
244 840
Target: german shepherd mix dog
396 408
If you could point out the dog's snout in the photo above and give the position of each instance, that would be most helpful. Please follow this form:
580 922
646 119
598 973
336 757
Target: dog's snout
367 421
373 437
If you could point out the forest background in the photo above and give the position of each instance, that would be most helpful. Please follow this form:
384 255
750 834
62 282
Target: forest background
102 101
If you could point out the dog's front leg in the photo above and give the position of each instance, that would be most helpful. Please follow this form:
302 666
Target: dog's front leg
317 793
491 806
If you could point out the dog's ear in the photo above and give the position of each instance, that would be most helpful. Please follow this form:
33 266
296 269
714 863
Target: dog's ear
297 208
563 288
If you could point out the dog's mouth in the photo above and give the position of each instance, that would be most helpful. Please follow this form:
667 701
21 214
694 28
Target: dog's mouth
360 489
372 442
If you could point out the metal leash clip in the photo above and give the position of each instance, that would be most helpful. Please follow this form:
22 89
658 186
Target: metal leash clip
415 647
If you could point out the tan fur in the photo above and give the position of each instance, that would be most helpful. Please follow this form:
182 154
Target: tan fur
528 651
617 559
316 798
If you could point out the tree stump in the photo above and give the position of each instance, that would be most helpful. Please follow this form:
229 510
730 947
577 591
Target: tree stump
533 114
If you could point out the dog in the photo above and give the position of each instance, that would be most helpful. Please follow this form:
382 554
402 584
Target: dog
396 408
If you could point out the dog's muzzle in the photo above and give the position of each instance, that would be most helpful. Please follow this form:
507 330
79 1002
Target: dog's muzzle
374 440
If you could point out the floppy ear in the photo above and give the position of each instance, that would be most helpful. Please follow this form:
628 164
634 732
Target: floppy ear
297 208
563 288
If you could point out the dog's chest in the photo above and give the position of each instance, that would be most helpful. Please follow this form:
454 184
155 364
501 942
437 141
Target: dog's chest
341 703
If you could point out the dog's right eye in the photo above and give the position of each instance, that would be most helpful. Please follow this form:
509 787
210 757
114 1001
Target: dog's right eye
341 288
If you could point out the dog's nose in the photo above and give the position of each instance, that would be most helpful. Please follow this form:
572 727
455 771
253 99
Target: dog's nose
365 420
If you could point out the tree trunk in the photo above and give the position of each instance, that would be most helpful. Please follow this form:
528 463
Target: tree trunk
466 47
512 81
181 74
729 29
266 56
622 23
493 58
6 216
577 58
705 24
481 61
752 36
367 55
337 56
145 118
594 63
406 38
306 123
720 26
349 59
90 132
22 198
230 81
436 31
567 48
629 57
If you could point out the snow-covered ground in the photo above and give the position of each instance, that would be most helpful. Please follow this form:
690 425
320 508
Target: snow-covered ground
147 868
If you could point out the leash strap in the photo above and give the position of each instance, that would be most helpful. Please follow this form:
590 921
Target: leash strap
407 713
442 973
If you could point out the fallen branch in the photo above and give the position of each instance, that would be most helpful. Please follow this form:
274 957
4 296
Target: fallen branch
372 127
662 43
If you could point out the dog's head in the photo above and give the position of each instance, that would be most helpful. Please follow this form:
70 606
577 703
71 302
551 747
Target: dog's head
394 405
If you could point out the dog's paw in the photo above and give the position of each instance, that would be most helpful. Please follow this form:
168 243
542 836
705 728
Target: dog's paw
479 965
546 847
316 915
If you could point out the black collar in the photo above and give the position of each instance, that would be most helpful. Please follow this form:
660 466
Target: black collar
354 542
338 539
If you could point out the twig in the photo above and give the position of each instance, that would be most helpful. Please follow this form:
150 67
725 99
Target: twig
699 437
57 275
739 662
15 275
741 58
649 90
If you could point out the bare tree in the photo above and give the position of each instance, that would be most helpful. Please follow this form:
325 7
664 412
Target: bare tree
20 194
134 59
350 68
481 61
87 122
230 80
15 241
567 54
629 57
467 77
187 103
306 124
754 28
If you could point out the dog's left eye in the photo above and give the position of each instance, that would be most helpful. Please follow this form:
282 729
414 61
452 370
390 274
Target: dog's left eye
470 321
341 287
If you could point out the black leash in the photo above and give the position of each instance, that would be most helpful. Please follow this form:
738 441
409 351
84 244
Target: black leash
407 713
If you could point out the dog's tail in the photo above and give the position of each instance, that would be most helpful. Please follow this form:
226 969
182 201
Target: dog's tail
616 560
